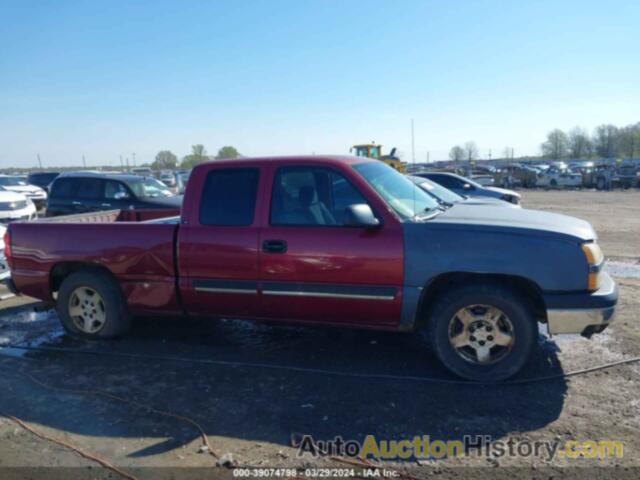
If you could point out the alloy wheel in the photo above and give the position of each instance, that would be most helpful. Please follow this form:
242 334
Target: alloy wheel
87 309
481 334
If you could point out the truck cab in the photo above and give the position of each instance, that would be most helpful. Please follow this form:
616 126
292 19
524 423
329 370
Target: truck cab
328 241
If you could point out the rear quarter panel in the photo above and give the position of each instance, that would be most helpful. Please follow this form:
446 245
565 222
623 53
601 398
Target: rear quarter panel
139 255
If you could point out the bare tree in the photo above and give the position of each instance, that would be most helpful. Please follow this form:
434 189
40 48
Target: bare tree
579 143
606 141
456 153
470 151
556 145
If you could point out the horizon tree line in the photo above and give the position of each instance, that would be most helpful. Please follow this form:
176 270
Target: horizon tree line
166 159
606 141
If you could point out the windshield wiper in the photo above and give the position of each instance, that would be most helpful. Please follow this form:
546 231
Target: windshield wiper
430 212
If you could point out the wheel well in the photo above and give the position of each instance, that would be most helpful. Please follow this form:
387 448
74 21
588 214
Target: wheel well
62 270
529 289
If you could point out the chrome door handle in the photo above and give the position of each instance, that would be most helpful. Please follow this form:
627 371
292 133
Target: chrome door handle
106 204
76 203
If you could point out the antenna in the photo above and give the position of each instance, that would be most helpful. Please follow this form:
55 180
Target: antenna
413 144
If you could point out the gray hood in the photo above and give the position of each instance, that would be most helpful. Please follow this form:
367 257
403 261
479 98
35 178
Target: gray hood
516 218
174 201
488 201
504 191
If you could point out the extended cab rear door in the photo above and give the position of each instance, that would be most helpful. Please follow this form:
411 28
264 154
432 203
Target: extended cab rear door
313 268
218 241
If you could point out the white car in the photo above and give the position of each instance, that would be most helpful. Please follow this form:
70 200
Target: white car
555 177
17 184
168 178
15 206
4 268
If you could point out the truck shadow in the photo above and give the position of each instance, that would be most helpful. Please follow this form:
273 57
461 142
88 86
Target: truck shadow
259 404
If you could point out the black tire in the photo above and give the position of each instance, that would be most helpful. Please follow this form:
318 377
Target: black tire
116 318
515 308
553 183
600 184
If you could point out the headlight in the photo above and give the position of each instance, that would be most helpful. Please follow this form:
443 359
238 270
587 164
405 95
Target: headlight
595 259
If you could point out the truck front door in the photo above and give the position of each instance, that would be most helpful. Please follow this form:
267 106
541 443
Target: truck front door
313 268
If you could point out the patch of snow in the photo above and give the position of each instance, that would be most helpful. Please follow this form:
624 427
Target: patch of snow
623 269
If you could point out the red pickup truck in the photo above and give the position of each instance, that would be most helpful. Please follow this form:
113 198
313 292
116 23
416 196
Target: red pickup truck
325 241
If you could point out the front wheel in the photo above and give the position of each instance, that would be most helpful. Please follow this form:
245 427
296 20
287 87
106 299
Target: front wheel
90 305
482 333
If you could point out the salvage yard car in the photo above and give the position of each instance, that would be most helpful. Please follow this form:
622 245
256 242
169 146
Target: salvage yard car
42 179
447 198
555 177
15 206
340 241
82 192
18 184
467 187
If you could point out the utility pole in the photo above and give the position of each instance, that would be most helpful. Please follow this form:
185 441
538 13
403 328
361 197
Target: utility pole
428 157
127 164
84 162
134 158
39 162
413 144
489 154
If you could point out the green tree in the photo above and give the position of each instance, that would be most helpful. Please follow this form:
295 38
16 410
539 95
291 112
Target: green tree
227 152
198 155
165 159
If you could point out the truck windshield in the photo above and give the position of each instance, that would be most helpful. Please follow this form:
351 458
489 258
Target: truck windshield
149 188
404 198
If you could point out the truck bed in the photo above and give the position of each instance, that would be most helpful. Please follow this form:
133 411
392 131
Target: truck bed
110 216
136 246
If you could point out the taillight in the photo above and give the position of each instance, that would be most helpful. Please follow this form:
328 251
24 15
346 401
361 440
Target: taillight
7 248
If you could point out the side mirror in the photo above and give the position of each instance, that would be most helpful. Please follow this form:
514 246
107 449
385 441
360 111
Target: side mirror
360 215
121 195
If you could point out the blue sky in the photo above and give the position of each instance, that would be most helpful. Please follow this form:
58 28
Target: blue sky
109 78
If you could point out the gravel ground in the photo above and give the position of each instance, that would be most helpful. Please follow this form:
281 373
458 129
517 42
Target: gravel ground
252 412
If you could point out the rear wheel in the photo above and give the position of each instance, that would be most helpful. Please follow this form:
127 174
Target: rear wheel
483 333
90 305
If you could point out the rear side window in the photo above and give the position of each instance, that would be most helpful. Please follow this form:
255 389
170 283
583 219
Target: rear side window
446 181
115 190
229 197
63 188
89 188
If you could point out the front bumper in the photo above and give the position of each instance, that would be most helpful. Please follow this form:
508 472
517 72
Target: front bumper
583 313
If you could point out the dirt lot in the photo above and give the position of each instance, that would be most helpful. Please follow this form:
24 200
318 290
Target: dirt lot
222 376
